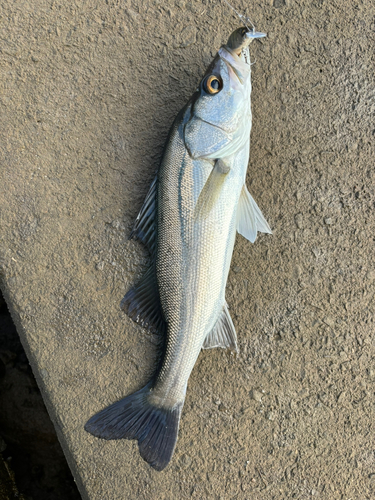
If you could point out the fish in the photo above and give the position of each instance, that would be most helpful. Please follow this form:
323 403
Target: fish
196 204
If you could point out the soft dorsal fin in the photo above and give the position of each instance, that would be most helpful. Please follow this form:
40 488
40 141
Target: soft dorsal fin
249 217
145 223
223 333
142 303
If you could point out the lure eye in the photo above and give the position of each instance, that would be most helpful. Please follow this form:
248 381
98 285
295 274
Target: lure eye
213 84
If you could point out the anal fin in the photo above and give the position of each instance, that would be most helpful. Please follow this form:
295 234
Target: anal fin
223 333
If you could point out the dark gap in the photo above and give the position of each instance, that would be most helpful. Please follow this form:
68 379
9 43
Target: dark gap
28 442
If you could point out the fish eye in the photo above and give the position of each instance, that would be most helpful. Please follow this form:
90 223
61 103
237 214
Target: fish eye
244 31
213 84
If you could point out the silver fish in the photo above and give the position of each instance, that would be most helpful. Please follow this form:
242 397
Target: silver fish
195 206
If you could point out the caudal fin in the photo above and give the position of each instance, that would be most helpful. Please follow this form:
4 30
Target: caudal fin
135 418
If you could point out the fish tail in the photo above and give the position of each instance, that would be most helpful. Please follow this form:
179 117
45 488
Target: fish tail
134 417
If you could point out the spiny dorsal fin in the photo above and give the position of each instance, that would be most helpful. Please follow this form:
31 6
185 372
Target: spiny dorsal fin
145 223
249 217
223 333
142 303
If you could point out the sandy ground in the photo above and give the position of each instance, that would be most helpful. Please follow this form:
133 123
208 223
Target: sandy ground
88 92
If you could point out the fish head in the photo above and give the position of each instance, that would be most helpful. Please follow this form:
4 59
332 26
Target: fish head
220 113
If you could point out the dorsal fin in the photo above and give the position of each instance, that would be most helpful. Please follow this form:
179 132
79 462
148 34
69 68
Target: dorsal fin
223 333
145 224
142 303
249 217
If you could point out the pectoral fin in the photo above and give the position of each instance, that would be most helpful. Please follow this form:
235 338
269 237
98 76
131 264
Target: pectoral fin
249 217
211 190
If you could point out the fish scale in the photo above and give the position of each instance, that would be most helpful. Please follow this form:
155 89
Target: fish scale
192 212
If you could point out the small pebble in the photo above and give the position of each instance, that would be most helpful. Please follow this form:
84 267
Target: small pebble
299 221
185 461
303 393
341 397
329 321
256 395
297 271
132 14
328 221
188 36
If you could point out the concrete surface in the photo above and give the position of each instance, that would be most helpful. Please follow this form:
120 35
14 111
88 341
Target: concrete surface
88 92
